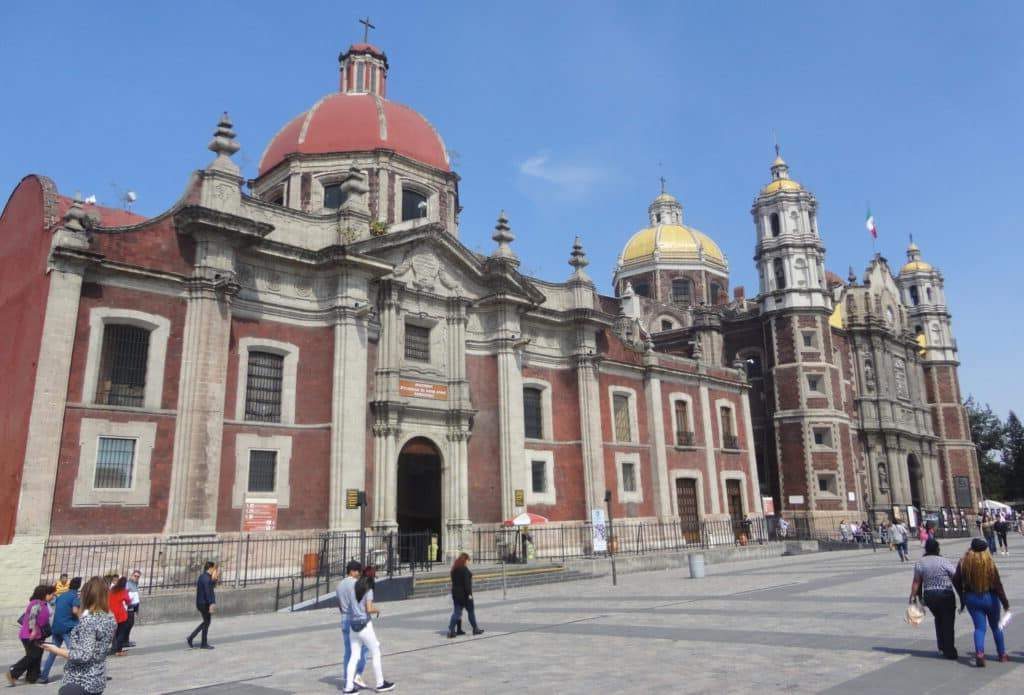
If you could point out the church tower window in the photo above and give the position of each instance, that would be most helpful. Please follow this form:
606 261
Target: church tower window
682 291
775 224
414 204
780 274
915 295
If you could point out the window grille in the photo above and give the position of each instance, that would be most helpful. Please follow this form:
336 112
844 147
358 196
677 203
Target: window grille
682 423
123 361
532 414
115 463
539 472
414 204
417 343
628 477
262 471
682 291
623 431
263 387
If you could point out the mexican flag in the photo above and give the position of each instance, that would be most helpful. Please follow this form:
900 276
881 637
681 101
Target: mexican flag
870 224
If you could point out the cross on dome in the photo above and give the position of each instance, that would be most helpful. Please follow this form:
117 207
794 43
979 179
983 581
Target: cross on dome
367 25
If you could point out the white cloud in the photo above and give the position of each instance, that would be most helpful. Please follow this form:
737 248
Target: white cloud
566 176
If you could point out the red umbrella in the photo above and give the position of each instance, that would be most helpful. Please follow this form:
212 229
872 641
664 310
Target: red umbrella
526 519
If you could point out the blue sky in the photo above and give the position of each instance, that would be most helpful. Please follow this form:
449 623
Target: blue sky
560 113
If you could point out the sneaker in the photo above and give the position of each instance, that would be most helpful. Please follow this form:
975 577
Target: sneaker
188 641
386 687
358 680
478 632
206 646
131 644
349 692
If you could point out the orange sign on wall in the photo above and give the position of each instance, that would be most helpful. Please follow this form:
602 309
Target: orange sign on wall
259 515
422 389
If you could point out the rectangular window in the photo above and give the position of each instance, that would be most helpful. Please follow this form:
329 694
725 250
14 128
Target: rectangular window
823 436
620 408
262 471
123 361
115 463
628 477
263 387
360 77
539 476
827 484
533 417
962 487
810 339
417 343
684 435
814 383
729 440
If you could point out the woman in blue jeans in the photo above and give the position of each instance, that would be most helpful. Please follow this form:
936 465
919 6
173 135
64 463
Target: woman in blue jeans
981 592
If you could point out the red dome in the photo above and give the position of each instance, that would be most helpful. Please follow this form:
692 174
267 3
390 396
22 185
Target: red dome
357 123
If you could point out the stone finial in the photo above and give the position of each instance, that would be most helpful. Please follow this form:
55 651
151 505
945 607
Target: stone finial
76 219
503 236
852 277
224 145
355 183
578 258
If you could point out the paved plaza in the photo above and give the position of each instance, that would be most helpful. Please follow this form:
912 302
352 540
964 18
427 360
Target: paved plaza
828 622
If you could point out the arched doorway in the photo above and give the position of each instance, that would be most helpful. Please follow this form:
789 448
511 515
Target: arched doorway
915 474
418 502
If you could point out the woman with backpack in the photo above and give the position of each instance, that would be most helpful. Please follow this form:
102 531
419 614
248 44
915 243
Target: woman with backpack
35 627
981 592
85 673
362 633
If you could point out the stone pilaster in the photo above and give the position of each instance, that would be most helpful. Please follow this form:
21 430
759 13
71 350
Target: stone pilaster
590 431
748 432
659 459
511 429
711 468
348 413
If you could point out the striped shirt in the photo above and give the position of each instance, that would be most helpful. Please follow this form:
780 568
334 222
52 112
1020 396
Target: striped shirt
935 573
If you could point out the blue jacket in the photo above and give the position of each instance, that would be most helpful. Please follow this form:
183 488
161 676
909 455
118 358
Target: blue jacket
64 620
204 591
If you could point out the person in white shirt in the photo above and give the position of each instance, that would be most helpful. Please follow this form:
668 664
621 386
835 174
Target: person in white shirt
900 534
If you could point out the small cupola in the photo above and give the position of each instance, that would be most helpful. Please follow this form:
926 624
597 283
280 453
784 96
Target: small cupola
665 209
363 70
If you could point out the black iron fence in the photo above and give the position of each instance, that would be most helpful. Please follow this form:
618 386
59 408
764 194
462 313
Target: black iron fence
175 563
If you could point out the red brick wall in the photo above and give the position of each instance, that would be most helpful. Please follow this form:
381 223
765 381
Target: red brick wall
784 339
791 446
484 447
642 437
24 285
68 520
156 246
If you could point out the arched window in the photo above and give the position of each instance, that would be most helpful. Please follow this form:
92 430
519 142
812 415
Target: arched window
123 362
533 415
334 196
915 295
775 224
780 274
752 363
715 290
414 204
682 291
928 292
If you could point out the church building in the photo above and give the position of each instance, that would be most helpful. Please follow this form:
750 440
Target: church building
322 328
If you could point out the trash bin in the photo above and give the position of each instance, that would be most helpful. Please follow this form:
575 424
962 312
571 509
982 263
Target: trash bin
696 565
310 565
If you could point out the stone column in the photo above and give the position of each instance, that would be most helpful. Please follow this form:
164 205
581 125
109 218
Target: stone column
46 420
459 416
348 414
386 409
511 428
199 427
659 460
748 432
590 431
711 469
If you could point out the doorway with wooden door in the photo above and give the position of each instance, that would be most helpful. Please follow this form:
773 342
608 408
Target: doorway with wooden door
686 504
734 500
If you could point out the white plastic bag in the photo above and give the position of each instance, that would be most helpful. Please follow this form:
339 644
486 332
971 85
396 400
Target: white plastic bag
1005 620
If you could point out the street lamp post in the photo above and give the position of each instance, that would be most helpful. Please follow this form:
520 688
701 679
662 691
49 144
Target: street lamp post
611 535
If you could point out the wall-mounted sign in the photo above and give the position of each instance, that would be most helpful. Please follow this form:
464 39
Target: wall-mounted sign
851 496
422 389
768 505
598 530
520 497
796 499
259 515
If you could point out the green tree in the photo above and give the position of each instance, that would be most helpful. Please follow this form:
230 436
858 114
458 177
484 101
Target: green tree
1013 456
989 435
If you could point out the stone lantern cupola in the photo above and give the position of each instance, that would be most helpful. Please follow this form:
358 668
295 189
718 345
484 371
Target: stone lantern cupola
364 70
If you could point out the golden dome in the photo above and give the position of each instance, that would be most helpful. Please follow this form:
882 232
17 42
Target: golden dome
665 197
917 266
781 185
672 242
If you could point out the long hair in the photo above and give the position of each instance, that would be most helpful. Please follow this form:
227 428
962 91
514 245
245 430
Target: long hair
460 561
366 582
41 592
120 584
978 570
95 596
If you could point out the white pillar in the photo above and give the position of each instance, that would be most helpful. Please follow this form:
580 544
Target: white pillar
659 460
511 428
711 468
748 431
348 416
590 430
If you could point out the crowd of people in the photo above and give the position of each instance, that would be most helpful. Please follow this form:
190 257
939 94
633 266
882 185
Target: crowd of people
81 621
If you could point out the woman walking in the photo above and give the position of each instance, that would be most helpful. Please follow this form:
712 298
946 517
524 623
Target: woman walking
35 627
462 597
119 599
933 583
988 529
88 644
1002 527
363 635
981 592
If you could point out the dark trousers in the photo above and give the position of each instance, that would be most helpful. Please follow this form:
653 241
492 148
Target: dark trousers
204 626
1001 535
131 624
73 689
30 663
457 615
942 604
120 637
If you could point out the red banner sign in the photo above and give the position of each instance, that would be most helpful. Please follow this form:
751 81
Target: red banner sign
422 389
259 515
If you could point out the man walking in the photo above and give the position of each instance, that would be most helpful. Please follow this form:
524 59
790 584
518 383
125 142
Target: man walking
133 605
206 601
346 594
900 534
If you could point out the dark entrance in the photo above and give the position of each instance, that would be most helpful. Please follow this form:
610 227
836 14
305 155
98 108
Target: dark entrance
915 474
686 503
419 497
734 498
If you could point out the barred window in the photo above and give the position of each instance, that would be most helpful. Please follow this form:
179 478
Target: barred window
262 471
682 291
115 463
532 414
628 476
620 408
417 343
414 205
684 435
123 366
539 476
725 415
263 387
